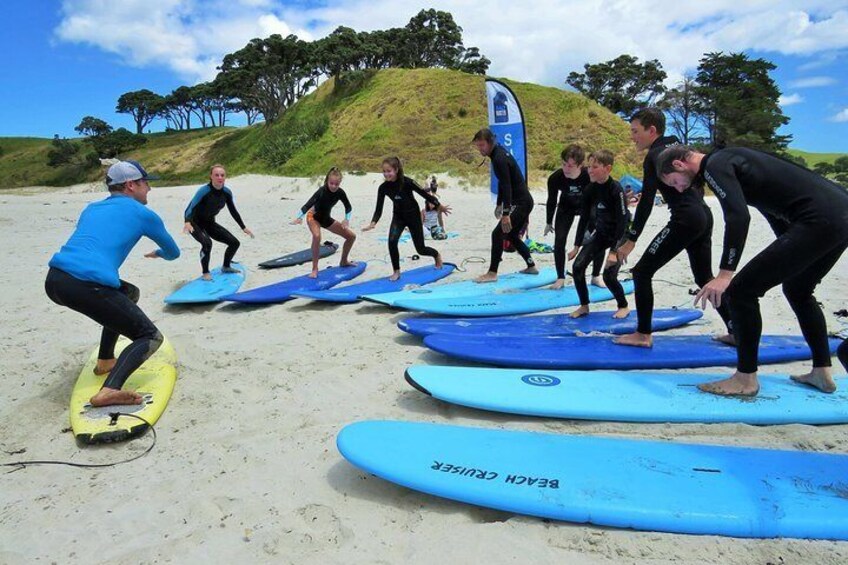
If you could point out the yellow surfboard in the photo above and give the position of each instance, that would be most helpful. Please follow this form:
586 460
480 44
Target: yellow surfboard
154 380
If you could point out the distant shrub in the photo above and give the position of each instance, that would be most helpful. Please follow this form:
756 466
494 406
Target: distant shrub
61 152
462 112
290 137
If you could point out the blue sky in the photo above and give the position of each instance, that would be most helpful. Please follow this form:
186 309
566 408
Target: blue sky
73 58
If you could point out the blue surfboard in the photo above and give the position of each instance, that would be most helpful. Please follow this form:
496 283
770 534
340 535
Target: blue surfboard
553 324
645 485
569 352
285 290
507 303
512 281
200 291
299 257
630 396
351 293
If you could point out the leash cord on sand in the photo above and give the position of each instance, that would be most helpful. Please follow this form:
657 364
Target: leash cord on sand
23 464
473 259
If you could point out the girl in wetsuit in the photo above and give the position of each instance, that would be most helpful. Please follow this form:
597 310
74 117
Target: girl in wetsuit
317 211
405 212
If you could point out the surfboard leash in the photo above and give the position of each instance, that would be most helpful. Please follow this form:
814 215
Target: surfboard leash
23 464
472 259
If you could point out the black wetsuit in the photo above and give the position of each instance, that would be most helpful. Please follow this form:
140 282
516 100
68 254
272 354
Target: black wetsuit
809 215
405 214
516 202
690 228
323 201
201 212
611 217
565 197
842 353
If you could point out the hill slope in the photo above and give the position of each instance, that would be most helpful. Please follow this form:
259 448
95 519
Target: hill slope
425 116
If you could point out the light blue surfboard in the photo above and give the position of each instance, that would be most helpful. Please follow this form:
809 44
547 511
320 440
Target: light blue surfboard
591 352
413 278
511 281
644 485
552 324
200 291
507 303
285 290
630 396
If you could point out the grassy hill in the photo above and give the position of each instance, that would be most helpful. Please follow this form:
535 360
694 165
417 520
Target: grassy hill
813 158
425 116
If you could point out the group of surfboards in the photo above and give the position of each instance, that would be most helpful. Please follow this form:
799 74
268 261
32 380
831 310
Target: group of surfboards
808 213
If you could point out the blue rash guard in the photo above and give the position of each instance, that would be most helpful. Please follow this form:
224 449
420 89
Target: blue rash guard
105 234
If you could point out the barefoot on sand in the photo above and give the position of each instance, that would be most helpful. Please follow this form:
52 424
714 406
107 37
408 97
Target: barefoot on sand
740 384
635 339
111 397
819 378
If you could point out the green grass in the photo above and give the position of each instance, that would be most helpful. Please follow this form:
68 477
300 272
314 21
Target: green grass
425 116
813 158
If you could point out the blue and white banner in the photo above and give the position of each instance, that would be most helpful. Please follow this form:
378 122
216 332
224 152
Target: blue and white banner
507 122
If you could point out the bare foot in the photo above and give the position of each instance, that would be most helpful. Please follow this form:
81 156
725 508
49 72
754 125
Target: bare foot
103 366
207 276
487 278
532 270
726 339
439 261
580 312
599 282
313 275
558 284
635 339
112 396
819 378
740 384
347 263
395 276
229 270
621 313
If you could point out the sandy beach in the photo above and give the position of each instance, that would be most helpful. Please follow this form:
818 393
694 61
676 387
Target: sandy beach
245 468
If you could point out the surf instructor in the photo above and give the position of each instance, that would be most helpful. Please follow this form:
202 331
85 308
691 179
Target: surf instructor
84 277
513 207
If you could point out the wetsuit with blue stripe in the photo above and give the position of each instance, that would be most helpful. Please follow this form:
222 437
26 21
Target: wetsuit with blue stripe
201 212
84 277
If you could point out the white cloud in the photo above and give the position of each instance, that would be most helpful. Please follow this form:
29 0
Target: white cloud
539 42
812 82
789 100
841 116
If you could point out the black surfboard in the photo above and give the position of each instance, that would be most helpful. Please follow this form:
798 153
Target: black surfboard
300 257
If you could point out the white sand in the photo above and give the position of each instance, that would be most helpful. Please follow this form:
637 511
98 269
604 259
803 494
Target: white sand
246 468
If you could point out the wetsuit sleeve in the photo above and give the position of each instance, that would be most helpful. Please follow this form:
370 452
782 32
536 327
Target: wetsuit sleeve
425 195
720 174
650 183
231 206
620 203
198 196
378 210
550 204
345 201
155 230
500 166
311 202
585 214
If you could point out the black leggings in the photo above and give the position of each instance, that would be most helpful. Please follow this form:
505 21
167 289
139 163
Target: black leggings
562 225
518 217
842 354
696 239
799 259
412 221
205 234
116 310
595 250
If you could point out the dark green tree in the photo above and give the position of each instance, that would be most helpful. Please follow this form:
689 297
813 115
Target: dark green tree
61 152
91 126
143 105
473 62
340 51
741 101
432 39
686 111
622 85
